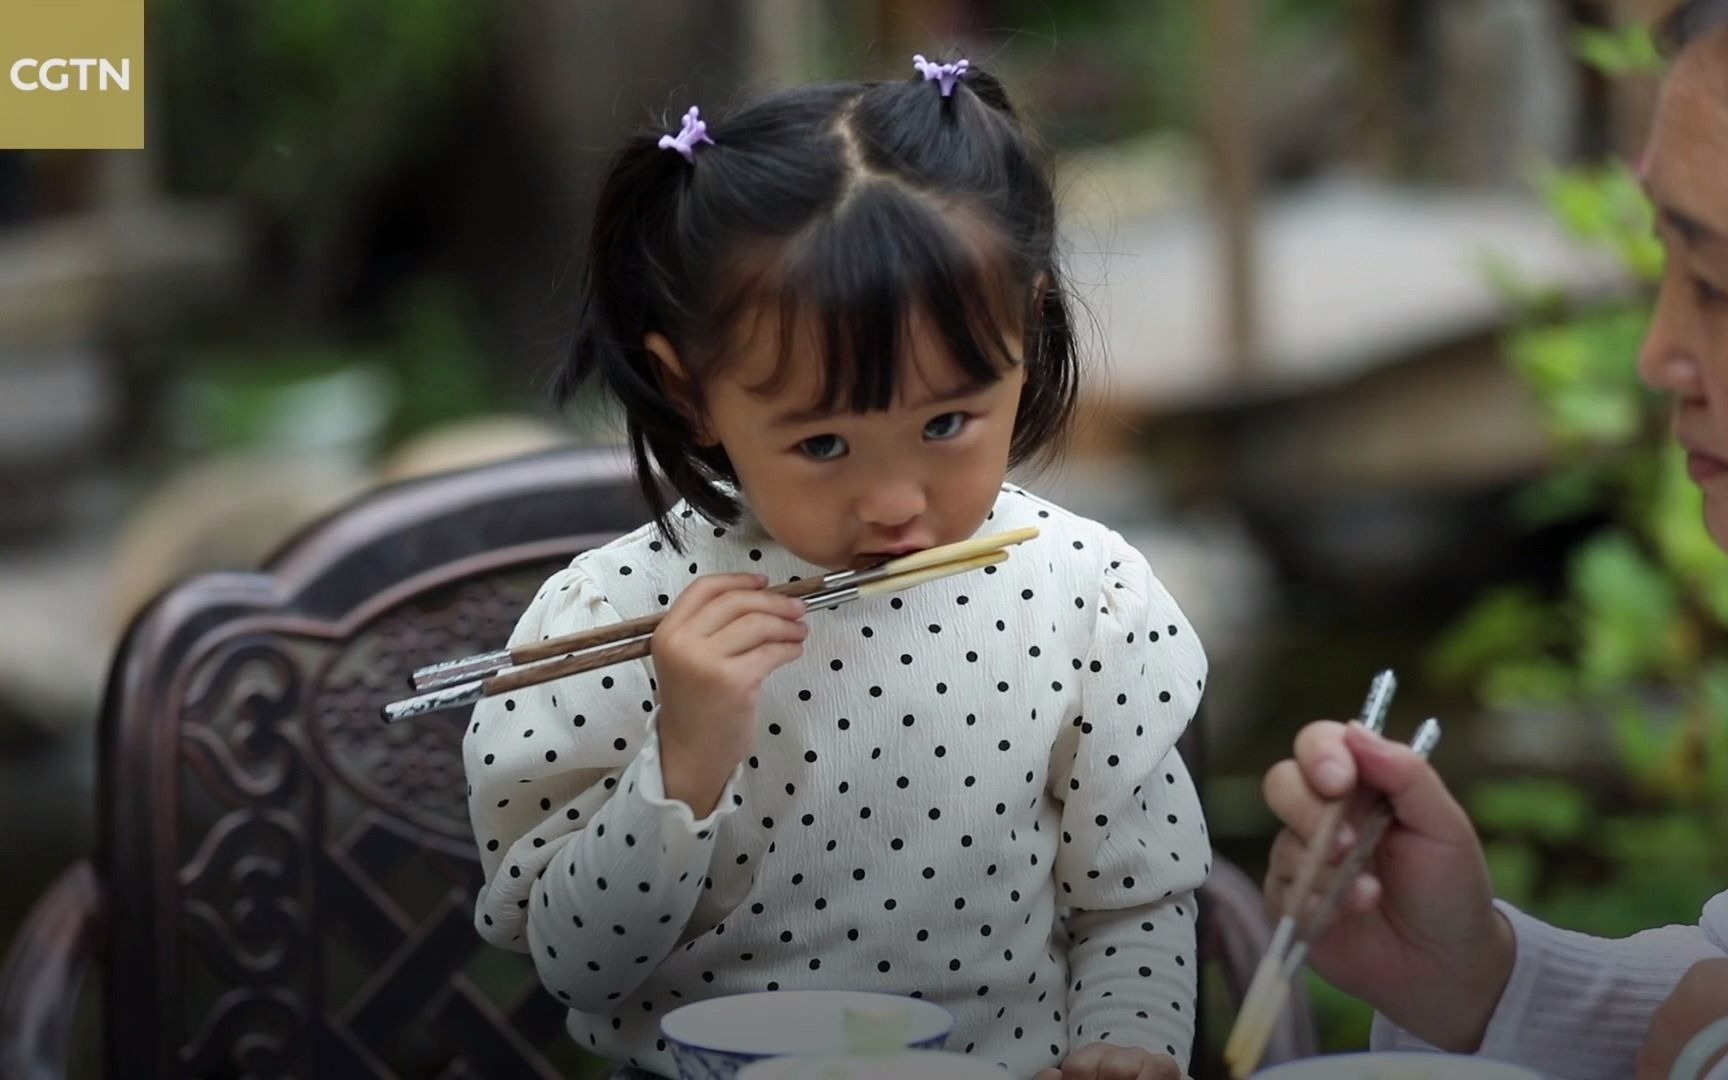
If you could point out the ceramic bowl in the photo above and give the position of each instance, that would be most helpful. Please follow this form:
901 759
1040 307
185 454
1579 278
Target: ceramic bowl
911 1065
714 1039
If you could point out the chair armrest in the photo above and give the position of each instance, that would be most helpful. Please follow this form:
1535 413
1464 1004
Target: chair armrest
44 971
1236 933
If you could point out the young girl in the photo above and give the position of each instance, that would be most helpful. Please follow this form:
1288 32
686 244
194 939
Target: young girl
835 320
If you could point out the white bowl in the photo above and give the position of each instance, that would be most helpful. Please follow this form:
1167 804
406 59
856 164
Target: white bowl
714 1039
911 1065
1396 1066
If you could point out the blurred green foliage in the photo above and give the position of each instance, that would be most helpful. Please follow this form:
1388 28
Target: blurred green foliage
1628 643
305 114
425 368
283 102
1119 67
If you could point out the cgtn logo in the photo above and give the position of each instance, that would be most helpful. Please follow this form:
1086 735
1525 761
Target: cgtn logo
60 74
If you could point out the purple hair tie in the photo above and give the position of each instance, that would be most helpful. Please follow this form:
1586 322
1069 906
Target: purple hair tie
946 74
695 131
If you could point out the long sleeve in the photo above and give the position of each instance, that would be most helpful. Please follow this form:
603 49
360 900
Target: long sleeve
588 866
1134 846
1577 1007
1134 976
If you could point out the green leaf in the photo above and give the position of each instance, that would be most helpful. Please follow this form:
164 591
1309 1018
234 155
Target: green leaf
1551 811
1505 625
1568 493
1606 206
1583 375
1515 869
1660 842
1675 524
1628 608
1629 50
1646 745
1515 684
1344 1021
1713 708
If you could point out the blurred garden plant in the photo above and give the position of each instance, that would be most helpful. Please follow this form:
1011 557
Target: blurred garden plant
1631 640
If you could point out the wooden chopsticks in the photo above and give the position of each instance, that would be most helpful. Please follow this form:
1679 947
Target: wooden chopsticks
1299 927
461 682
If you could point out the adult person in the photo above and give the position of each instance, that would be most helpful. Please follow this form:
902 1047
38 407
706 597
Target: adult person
1422 938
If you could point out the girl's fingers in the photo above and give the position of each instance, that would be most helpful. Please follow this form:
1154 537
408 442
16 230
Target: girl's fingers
765 659
756 628
704 589
732 605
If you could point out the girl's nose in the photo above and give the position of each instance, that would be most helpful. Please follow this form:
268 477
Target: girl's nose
891 504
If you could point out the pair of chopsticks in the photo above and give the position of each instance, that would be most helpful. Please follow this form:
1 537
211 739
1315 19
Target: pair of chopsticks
1298 928
455 683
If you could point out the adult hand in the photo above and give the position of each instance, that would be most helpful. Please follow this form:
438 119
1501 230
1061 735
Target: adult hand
720 639
1417 935
1698 1000
1107 1061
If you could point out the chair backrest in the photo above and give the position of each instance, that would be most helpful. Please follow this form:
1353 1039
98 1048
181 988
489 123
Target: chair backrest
291 880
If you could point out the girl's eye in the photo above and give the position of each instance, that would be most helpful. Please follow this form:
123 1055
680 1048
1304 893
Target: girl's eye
945 426
823 447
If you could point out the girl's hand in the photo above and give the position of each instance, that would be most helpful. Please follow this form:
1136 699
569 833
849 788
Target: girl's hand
720 639
1106 1061
1417 936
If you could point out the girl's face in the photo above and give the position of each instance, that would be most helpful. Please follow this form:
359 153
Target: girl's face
843 490
1686 354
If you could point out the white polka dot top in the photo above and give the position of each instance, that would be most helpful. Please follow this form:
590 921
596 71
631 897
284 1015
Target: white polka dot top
967 792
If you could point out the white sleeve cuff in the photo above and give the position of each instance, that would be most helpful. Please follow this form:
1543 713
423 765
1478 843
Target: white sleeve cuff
651 785
1501 1040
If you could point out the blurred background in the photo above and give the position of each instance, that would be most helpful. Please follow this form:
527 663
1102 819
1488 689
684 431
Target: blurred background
1363 284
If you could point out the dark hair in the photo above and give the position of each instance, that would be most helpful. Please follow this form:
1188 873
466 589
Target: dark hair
849 209
1688 22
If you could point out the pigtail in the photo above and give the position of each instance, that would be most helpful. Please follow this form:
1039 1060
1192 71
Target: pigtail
989 89
632 264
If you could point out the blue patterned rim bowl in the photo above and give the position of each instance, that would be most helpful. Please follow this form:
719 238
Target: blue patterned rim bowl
714 1039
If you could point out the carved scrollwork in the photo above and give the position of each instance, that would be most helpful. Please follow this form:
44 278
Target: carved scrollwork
249 1033
238 732
415 768
243 902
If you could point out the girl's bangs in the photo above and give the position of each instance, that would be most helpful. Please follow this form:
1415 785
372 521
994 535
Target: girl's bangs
887 264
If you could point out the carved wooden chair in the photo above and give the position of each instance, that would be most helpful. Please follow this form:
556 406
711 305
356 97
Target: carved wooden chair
283 886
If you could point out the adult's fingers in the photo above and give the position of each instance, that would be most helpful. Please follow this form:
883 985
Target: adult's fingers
1418 796
1325 760
1290 796
1288 851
